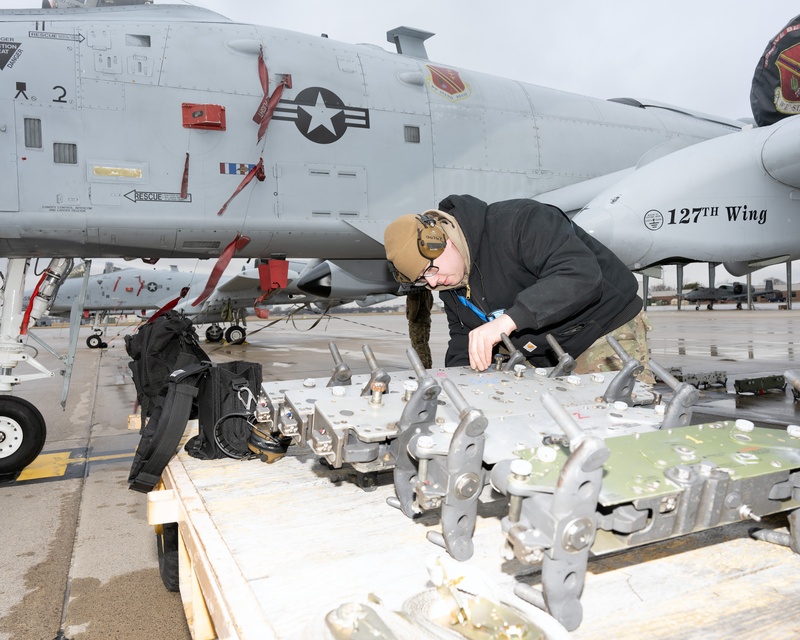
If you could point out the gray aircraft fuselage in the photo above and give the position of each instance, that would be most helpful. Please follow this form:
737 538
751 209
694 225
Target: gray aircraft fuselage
124 131
124 290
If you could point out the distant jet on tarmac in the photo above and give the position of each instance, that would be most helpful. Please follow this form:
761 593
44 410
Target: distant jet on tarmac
736 292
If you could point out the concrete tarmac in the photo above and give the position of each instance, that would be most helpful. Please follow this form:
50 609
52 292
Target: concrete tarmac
79 560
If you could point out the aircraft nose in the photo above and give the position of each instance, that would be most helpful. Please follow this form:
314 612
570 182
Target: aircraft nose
619 228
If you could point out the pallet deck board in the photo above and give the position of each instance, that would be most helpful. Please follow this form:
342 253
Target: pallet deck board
282 544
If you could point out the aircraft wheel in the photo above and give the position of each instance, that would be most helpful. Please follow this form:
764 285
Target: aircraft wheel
214 333
94 341
235 334
167 547
22 434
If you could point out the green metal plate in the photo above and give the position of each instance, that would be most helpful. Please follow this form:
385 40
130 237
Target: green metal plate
637 463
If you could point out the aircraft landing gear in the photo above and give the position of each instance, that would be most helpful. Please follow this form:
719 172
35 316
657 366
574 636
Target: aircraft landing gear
235 334
95 341
214 333
22 434
22 427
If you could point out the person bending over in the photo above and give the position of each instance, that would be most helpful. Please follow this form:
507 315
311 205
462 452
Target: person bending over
520 268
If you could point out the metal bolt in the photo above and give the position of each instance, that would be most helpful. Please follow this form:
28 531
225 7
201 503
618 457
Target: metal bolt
422 472
744 425
683 473
578 534
467 485
667 504
745 513
732 500
520 471
519 370
377 389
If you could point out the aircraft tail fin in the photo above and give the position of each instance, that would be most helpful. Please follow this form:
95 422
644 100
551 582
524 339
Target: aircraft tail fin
768 285
772 94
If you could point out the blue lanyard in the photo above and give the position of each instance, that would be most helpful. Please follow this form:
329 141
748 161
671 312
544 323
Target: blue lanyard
469 305
486 318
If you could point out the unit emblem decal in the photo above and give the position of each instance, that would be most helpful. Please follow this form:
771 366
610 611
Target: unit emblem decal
447 83
653 219
320 115
787 94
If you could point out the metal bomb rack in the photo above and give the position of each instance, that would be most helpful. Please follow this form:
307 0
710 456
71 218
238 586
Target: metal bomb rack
595 496
354 420
589 463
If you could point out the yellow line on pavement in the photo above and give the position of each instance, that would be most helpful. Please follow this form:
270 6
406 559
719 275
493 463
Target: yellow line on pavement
53 465
47 465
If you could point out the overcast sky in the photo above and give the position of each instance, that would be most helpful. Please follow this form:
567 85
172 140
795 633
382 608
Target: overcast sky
698 54
693 53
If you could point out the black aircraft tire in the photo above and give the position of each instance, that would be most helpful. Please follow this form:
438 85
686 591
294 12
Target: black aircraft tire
22 434
214 334
94 341
235 334
167 546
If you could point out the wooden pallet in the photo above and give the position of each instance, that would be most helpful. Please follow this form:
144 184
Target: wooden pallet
267 550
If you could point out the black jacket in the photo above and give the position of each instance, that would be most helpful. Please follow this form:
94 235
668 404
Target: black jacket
548 274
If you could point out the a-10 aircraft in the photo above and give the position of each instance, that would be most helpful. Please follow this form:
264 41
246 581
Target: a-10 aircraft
168 131
736 292
115 291
144 291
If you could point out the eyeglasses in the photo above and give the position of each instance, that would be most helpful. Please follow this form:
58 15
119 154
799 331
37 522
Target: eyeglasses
430 270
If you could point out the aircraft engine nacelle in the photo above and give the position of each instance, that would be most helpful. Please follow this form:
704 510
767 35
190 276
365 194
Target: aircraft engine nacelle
725 200
350 279
739 269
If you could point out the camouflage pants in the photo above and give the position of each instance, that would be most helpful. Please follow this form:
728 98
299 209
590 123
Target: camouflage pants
632 337
419 303
419 332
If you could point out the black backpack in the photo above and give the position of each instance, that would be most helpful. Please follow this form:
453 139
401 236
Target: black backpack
226 402
164 429
158 348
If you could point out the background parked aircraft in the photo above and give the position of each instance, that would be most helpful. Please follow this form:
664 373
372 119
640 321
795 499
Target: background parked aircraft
736 292
142 291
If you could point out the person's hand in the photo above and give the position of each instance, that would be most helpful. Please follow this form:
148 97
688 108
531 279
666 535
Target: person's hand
483 339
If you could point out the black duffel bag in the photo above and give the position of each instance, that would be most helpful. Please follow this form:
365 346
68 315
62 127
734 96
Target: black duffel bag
226 400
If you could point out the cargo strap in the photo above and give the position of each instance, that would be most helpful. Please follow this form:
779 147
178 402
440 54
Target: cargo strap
170 305
239 242
153 453
268 103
